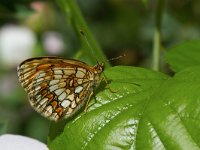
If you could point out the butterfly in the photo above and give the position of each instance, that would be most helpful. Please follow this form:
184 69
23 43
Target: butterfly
57 88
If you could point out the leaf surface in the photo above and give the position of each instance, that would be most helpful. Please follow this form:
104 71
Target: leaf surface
149 110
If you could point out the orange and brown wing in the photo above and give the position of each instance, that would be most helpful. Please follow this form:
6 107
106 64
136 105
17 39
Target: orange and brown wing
57 88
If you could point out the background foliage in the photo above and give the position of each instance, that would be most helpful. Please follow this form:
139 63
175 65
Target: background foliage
152 110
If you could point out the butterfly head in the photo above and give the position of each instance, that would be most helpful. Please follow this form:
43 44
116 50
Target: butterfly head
99 68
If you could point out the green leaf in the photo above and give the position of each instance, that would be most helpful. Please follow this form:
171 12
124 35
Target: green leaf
184 55
148 111
129 82
174 112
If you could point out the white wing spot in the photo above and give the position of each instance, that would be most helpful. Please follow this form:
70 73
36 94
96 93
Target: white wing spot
43 101
56 71
71 82
62 96
68 91
59 91
57 76
69 71
80 73
73 105
62 84
41 74
52 82
78 89
69 111
65 103
71 97
37 88
53 88
80 81
40 79
48 111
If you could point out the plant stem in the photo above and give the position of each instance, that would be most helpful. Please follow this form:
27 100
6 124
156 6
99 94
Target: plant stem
157 34
89 43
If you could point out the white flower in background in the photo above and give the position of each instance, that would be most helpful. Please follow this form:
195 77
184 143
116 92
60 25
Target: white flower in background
16 44
53 43
18 142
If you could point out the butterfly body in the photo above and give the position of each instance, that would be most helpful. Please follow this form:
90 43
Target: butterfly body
58 88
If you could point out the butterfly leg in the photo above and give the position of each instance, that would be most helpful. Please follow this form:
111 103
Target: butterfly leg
87 104
107 84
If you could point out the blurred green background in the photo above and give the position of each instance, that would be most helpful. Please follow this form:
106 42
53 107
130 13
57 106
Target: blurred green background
38 28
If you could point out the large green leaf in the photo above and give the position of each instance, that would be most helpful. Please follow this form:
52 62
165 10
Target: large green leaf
148 111
184 55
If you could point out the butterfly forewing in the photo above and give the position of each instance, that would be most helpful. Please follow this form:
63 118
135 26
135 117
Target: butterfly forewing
57 88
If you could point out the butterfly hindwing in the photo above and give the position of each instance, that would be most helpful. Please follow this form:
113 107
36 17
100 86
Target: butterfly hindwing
57 88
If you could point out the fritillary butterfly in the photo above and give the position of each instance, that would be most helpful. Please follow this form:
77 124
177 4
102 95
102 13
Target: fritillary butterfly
58 88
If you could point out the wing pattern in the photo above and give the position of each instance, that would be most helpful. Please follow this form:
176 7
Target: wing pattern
57 88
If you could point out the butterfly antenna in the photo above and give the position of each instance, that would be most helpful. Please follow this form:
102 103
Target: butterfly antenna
88 44
108 60
115 58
